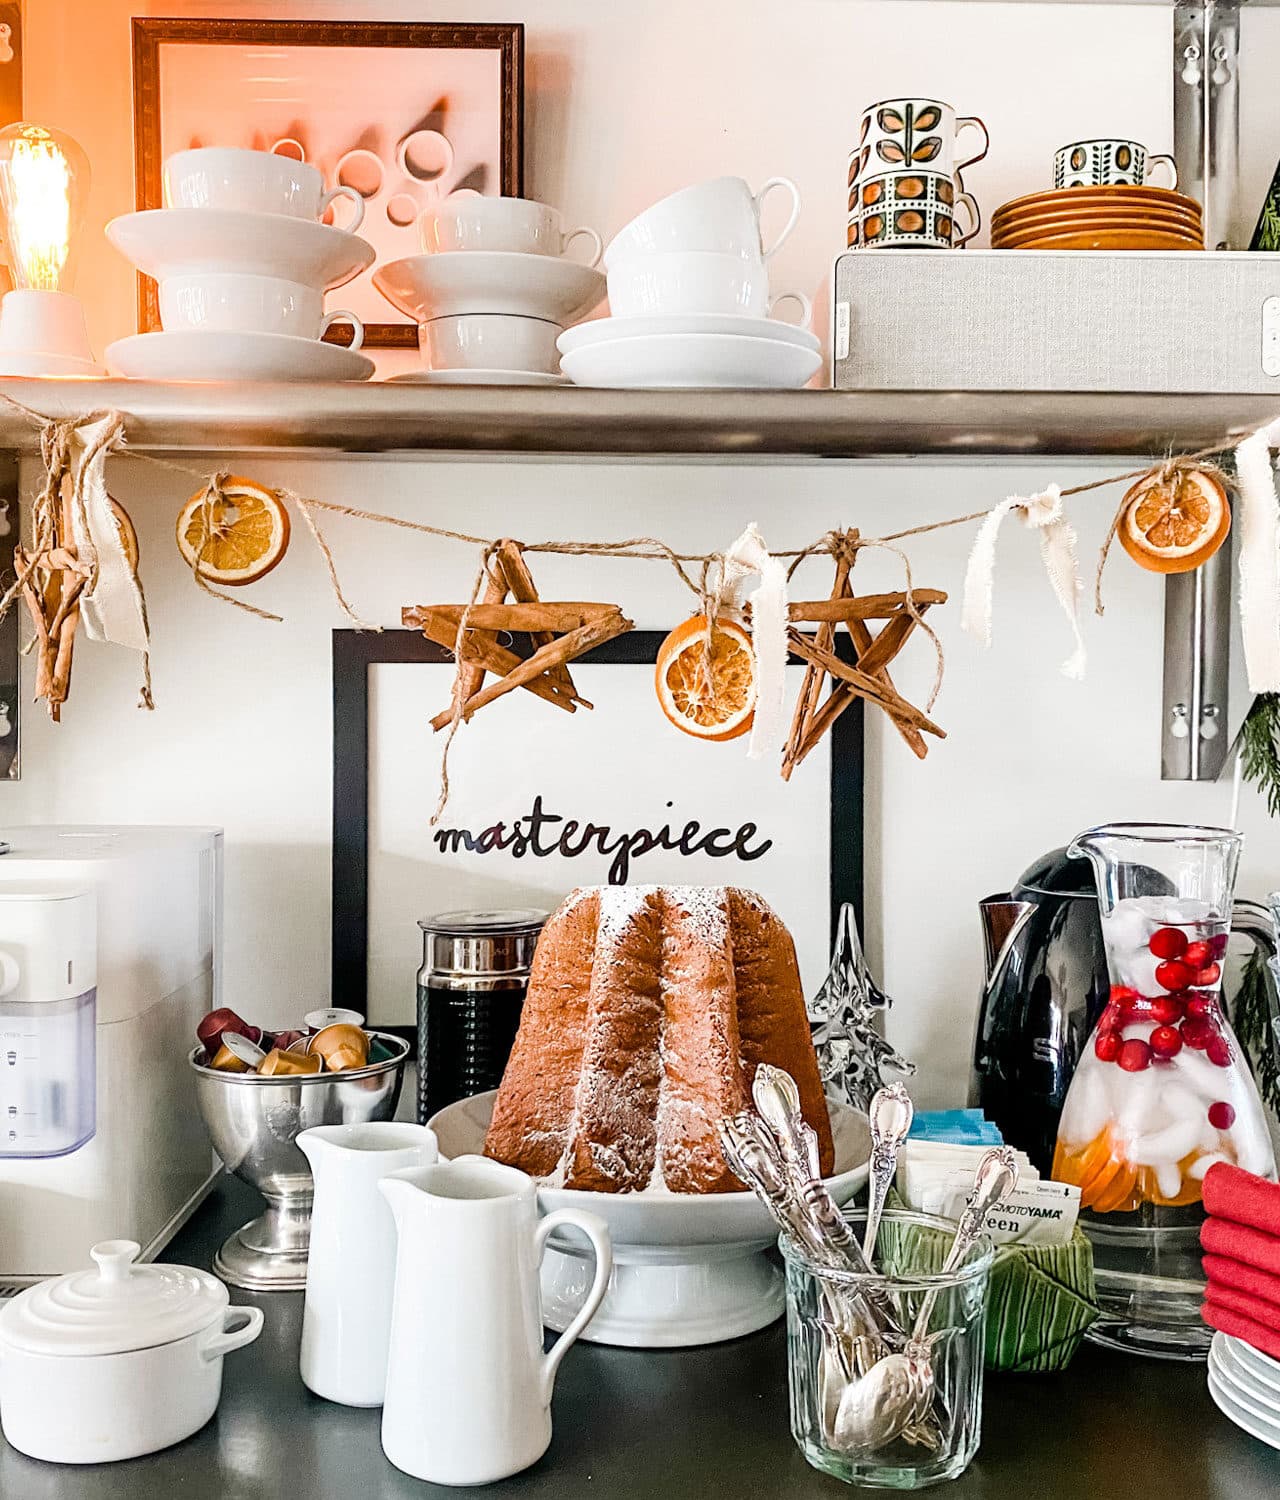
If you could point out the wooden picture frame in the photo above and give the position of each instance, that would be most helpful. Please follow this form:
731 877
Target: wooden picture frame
356 651
155 38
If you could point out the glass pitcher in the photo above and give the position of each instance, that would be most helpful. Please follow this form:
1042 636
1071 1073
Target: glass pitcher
1162 1090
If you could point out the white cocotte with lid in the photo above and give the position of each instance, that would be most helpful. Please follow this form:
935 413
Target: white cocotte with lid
116 1361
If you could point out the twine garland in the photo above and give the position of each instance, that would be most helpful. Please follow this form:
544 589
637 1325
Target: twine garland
55 447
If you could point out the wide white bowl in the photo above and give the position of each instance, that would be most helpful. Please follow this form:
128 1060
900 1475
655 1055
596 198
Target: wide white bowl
490 281
489 341
164 242
692 361
689 1268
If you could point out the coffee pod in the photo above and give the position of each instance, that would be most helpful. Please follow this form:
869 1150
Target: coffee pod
212 1026
317 1020
225 1060
277 1063
287 1041
239 1046
342 1046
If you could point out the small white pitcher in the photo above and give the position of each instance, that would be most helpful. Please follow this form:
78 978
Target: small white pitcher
468 1386
346 1321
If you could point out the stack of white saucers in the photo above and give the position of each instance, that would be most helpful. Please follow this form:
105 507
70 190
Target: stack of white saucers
1245 1386
690 302
492 291
243 263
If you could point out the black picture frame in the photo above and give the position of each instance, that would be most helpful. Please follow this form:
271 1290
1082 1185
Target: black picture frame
355 651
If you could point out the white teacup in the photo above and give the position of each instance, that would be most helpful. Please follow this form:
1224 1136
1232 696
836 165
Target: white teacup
695 281
489 341
469 222
721 215
231 302
254 182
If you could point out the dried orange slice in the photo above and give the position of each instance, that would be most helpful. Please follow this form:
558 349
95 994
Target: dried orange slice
128 536
246 536
711 696
1173 525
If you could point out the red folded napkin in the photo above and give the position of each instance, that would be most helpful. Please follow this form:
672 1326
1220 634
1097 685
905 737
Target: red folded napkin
1239 1242
1232 1193
1240 1326
1267 1314
1223 1272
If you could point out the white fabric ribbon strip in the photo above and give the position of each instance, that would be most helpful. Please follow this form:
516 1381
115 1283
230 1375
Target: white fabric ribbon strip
1044 513
1258 518
749 558
113 611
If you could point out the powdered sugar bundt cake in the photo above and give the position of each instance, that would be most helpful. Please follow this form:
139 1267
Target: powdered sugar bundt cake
649 1009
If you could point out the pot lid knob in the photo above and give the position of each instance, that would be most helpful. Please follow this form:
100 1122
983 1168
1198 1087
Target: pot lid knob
115 1259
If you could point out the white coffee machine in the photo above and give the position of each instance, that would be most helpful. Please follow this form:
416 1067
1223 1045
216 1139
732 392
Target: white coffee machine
110 947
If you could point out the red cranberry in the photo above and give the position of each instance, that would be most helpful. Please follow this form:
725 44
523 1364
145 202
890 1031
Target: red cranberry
1167 1009
1197 1033
1173 975
1218 1051
1106 1045
1134 1056
1197 954
1166 1041
1121 994
1222 1116
1168 942
1208 976
1202 1007
1218 944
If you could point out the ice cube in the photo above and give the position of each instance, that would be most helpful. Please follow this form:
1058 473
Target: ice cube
1201 1165
1166 1147
1088 1106
1169 1180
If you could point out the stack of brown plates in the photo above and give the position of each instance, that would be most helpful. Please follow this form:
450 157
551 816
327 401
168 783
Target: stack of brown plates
1099 218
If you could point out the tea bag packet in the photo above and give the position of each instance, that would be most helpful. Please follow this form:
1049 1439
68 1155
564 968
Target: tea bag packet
1039 1213
926 1167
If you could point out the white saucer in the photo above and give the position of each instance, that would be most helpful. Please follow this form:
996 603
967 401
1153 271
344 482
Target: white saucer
688 1268
692 360
603 330
233 356
1237 1383
477 377
1261 1368
490 281
175 241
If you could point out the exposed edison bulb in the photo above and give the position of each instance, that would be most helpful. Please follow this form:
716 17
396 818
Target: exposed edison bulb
44 182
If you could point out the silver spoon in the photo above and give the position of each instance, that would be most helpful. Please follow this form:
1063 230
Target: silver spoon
891 1113
897 1392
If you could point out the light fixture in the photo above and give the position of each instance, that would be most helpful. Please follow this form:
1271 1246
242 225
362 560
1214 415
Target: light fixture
44 183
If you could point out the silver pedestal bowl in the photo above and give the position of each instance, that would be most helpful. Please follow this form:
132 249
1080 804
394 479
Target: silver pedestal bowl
254 1123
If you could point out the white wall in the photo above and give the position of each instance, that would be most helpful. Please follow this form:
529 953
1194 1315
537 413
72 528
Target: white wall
624 102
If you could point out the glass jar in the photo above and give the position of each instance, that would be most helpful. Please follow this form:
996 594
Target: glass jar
1162 1090
471 989
909 1250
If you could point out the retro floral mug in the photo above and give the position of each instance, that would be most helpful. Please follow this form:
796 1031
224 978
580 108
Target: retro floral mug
1108 163
900 135
911 210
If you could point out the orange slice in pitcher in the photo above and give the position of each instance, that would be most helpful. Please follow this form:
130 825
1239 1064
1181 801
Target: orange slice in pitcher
708 694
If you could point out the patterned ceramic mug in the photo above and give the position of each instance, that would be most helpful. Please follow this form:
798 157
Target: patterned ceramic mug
912 210
899 135
1108 163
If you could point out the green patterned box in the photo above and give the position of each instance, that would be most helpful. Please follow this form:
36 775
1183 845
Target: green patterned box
1042 1301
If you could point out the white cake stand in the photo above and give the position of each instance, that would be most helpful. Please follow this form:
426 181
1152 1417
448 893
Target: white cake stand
687 1268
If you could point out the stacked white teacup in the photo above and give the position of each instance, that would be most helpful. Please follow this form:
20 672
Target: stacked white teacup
243 261
493 289
690 299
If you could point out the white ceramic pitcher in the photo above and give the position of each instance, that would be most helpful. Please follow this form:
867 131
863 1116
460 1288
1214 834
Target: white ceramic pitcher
346 1321
468 1386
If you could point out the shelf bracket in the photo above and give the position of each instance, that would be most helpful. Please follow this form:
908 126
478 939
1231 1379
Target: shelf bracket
1194 736
10 671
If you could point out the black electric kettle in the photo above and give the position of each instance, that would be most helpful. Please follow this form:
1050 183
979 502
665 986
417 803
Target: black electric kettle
1046 984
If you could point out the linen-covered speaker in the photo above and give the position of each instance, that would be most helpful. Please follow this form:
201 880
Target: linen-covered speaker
1040 320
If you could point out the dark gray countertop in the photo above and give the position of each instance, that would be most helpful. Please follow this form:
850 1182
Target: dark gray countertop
706 1422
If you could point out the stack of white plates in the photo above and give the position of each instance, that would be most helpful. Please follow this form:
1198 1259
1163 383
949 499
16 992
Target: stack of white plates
1245 1386
686 350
